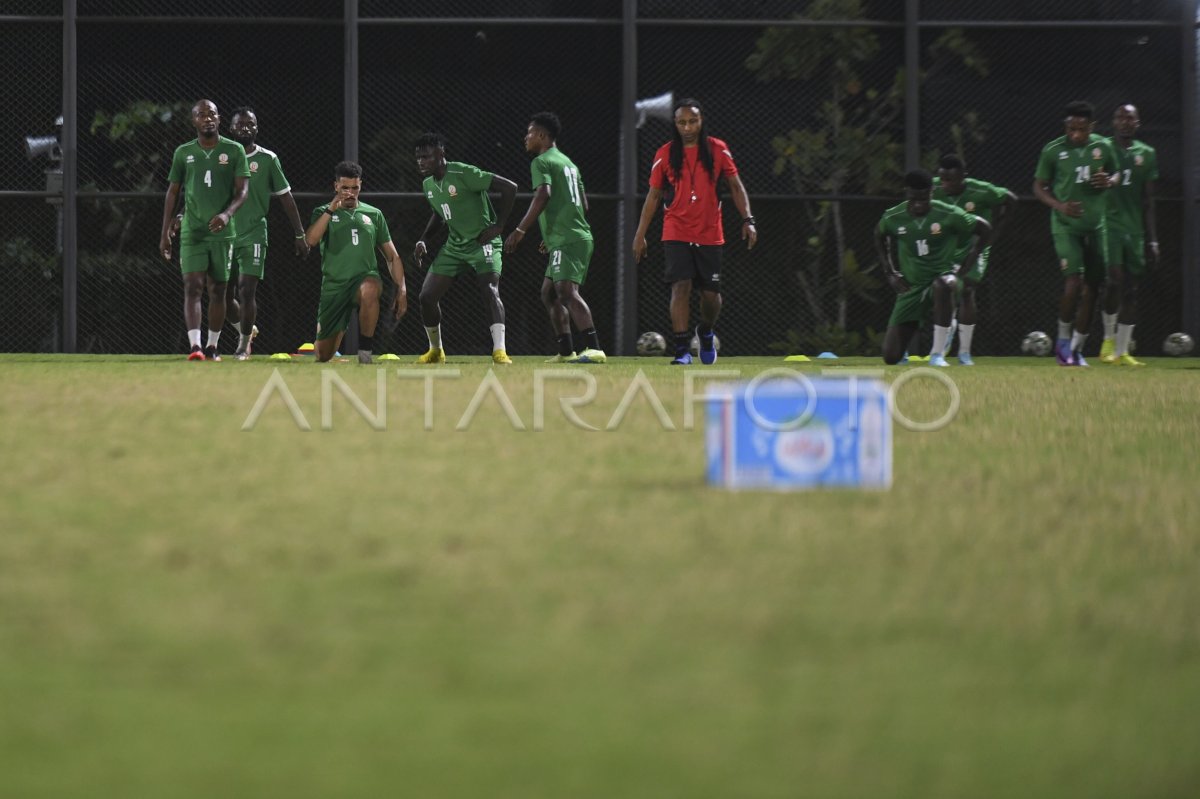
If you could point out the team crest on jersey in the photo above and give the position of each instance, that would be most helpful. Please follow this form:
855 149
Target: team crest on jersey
970 206
900 231
253 166
935 228
1096 153
1137 160
452 191
366 219
223 158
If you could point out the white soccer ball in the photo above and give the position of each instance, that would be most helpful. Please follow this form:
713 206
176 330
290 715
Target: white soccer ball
1037 343
651 344
696 344
1178 344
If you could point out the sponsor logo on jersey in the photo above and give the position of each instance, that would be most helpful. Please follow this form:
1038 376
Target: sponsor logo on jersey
191 159
335 218
253 167
1062 156
1096 153
935 228
1063 263
900 231
223 158
1137 160
429 194
970 206
452 191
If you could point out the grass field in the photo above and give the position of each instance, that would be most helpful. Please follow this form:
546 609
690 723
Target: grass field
190 610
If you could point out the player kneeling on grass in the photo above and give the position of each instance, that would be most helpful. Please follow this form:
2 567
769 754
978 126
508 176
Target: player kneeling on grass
348 232
990 203
926 235
559 205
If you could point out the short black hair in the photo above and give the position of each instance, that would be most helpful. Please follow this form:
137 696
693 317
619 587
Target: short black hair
951 161
1081 108
435 140
242 110
347 169
919 180
547 121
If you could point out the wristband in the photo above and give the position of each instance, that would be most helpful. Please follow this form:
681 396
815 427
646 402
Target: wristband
1155 243
329 211
748 220
299 235
522 232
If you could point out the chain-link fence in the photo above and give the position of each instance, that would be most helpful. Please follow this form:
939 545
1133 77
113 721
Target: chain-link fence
810 96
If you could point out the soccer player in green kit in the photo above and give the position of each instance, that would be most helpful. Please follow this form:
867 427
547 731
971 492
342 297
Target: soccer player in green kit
926 235
250 248
214 172
1130 221
559 206
1072 175
458 193
993 205
348 232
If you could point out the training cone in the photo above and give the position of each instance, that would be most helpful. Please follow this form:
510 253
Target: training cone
305 349
280 356
798 358
387 356
828 355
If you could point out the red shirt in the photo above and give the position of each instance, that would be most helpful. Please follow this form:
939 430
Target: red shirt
694 214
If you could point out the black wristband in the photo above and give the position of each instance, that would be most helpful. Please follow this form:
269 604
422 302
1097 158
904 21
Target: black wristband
330 211
748 220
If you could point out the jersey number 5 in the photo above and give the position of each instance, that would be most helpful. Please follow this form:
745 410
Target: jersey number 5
354 236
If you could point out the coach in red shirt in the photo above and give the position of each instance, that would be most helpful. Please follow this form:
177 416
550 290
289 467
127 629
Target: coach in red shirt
687 169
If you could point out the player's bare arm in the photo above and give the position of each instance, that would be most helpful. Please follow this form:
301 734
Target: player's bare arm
420 249
164 239
983 237
540 197
1002 213
741 201
221 220
883 248
396 269
1151 222
649 209
508 194
316 231
293 214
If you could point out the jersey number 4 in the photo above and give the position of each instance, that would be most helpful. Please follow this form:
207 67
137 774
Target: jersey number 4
208 178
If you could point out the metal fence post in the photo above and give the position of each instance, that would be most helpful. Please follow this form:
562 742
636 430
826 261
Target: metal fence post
624 330
69 211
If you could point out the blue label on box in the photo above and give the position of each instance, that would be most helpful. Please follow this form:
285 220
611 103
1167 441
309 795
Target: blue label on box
800 432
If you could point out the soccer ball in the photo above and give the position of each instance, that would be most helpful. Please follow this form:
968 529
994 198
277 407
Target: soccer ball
696 344
651 344
1037 343
1178 344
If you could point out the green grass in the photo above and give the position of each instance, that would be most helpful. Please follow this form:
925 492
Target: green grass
188 610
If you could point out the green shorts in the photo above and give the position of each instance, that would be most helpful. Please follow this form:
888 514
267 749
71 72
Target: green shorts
1127 250
1081 252
570 262
975 273
212 257
481 260
250 259
338 301
914 305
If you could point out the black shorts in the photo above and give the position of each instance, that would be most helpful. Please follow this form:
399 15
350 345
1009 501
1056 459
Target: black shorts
699 263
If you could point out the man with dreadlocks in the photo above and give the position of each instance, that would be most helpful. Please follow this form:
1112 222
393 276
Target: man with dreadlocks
688 169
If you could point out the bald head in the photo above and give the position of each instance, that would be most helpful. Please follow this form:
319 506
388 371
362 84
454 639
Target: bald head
205 120
1126 122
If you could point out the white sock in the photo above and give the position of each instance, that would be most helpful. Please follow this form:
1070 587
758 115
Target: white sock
1077 341
435 337
965 332
194 337
213 337
1124 335
1110 325
498 336
1064 329
940 334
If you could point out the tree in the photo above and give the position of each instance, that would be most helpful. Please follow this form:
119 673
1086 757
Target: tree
853 143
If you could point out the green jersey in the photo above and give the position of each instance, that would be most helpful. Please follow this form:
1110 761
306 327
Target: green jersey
1069 170
978 197
266 180
1138 164
563 219
460 198
207 178
348 246
928 245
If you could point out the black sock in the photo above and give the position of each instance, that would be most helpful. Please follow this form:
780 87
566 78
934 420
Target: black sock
704 329
565 346
366 342
593 341
683 342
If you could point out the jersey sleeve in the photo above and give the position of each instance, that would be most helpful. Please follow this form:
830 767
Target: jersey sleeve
475 179
882 227
177 167
660 174
963 223
723 160
382 234
1111 163
996 194
320 209
241 164
539 173
1045 167
279 184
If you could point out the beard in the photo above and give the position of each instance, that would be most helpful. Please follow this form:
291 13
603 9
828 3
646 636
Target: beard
246 142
